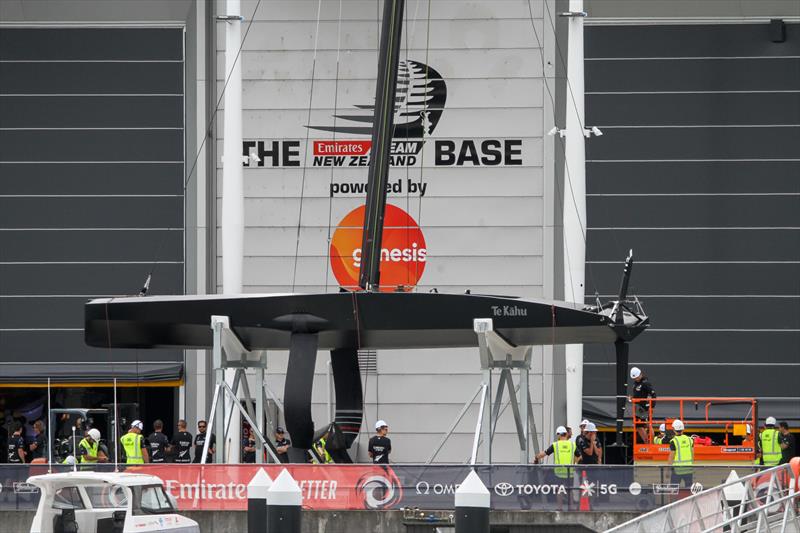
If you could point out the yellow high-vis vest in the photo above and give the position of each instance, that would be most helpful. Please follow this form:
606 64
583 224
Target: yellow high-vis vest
132 444
770 447
564 451
684 454
91 449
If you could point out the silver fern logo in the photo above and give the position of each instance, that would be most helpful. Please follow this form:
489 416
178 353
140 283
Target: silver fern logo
420 101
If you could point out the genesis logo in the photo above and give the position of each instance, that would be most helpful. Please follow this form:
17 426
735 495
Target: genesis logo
421 95
504 489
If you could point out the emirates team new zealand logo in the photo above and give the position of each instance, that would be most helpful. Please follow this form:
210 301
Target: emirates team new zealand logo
420 101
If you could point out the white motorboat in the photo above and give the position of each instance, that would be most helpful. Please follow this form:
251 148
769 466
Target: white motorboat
100 502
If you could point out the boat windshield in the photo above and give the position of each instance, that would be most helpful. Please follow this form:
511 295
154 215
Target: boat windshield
151 499
107 496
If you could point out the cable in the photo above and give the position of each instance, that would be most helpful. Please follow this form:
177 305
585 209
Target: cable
335 112
305 156
424 129
208 134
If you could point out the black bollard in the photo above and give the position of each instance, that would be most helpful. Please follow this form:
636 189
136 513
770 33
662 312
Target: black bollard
473 502
284 505
257 502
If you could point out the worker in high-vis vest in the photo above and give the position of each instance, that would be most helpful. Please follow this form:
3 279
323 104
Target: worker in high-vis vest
681 456
89 448
662 435
769 447
563 452
133 445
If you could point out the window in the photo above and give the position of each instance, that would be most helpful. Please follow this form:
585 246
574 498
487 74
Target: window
151 499
67 498
107 496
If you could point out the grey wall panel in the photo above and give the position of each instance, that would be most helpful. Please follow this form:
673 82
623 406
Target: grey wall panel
53 346
91 78
707 177
724 291
34 178
87 145
91 44
108 212
90 279
660 346
695 143
98 245
692 109
764 245
671 75
694 211
44 312
701 279
91 111
712 40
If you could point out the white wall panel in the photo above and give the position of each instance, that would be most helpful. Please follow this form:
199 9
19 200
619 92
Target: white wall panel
361 64
285 182
363 35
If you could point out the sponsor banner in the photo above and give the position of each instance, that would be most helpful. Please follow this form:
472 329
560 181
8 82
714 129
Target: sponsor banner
359 487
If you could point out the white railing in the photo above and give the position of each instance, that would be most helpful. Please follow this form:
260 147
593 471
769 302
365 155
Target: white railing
766 501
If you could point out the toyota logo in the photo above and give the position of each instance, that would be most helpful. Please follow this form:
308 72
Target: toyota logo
504 489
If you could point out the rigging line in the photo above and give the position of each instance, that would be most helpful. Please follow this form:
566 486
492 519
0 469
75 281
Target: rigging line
335 112
567 173
305 155
207 135
620 249
567 176
424 126
564 64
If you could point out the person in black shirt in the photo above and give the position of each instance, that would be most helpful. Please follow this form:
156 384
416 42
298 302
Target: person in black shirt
282 445
787 443
181 444
380 446
587 446
642 388
248 446
3 443
200 441
38 445
158 443
16 445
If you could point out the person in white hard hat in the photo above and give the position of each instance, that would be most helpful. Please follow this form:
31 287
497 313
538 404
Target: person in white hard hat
768 449
642 389
380 446
563 450
588 447
661 438
89 448
133 444
681 456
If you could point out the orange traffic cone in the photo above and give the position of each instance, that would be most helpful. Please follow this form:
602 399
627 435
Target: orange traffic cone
586 491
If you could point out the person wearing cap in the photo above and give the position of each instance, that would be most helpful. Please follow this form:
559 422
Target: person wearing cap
181 444
587 446
89 448
681 456
380 446
642 389
282 444
661 438
134 446
768 451
248 445
200 442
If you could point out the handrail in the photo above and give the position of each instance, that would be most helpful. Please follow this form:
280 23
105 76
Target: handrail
686 514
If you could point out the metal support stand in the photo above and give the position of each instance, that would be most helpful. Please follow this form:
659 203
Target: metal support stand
497 354
228 352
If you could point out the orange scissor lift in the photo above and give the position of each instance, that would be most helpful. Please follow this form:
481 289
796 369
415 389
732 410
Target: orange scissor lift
733 439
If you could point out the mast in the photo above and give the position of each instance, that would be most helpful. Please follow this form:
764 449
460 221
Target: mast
382 133
575 204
